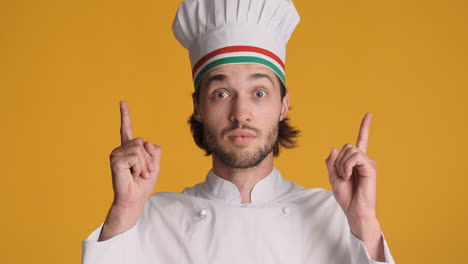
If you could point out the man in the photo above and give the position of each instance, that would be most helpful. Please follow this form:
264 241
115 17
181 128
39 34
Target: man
244 212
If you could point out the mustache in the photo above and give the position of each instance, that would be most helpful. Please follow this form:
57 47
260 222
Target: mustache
241 126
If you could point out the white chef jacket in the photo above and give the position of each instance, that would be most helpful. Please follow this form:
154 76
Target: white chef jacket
206 223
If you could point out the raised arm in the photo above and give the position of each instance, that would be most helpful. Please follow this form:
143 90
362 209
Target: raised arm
135 168
353 176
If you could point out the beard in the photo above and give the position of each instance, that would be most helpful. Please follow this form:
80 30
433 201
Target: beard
242 159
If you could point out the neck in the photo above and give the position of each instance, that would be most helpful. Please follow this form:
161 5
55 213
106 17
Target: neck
244 179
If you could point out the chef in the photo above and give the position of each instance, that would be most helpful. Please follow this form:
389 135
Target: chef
244 211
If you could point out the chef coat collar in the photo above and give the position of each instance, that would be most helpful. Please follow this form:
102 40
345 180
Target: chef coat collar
266 190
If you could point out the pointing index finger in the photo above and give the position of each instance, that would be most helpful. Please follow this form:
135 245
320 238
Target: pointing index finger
125 126
363 137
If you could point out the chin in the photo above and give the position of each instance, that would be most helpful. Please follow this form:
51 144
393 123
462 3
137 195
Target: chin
242 159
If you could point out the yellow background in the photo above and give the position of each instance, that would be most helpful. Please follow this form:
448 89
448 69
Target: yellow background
66 64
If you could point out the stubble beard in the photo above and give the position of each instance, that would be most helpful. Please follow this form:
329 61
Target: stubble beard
242 159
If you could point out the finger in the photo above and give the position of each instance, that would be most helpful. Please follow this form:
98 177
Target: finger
340 156
341 164
136 170
330 161
350 163
357 159
363 137
125 125
155 152
149 164
149 160
135 148
143 156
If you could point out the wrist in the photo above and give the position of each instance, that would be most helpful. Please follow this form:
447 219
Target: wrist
367 229
120 219
369 232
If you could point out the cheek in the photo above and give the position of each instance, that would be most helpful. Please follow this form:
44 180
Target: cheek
268 113
210 110
214 119
267 120
214 112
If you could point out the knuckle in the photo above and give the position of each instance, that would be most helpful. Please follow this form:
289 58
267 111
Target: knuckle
344 162
353 150
137 151
139 141
142 160
347 145
133 156
337 162
115 151
157 147
113 164
137 166
337 167
136 171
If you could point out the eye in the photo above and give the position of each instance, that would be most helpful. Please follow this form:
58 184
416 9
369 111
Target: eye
221 94
260 94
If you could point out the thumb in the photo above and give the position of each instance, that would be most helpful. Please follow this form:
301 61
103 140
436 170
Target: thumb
330 161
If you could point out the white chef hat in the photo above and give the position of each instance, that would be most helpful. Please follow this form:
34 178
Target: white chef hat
218 32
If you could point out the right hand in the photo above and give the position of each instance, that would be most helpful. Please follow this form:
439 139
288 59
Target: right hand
134 165
135 168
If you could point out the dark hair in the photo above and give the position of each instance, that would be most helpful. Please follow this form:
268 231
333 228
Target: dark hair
286 132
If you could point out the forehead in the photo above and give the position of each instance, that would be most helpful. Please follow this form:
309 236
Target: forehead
241 71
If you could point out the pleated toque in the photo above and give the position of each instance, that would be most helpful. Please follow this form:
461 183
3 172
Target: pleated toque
219 32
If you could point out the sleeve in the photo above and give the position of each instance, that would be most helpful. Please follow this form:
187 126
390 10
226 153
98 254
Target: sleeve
120 249
360 255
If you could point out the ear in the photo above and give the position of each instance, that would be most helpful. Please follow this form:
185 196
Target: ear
284 107
196 112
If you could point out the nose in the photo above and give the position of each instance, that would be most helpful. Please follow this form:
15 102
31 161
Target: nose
240 110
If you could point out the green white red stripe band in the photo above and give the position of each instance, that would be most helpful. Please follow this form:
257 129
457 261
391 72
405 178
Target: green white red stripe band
237 54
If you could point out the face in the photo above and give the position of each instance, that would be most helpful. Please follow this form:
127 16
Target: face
240 107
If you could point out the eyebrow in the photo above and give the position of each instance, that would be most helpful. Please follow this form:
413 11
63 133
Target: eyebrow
216 77
257 76
223 77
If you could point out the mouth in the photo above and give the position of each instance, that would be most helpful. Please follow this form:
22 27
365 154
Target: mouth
241 137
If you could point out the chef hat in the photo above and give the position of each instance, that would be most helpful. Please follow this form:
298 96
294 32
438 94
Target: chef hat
218 32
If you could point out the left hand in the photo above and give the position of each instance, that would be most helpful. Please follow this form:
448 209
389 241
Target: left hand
353 176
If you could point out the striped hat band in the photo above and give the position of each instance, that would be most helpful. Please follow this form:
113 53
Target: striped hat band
235 55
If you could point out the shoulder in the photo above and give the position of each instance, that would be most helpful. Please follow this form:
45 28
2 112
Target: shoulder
167 204
316 199
197 190
168 199
315 194
298 193
320 203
